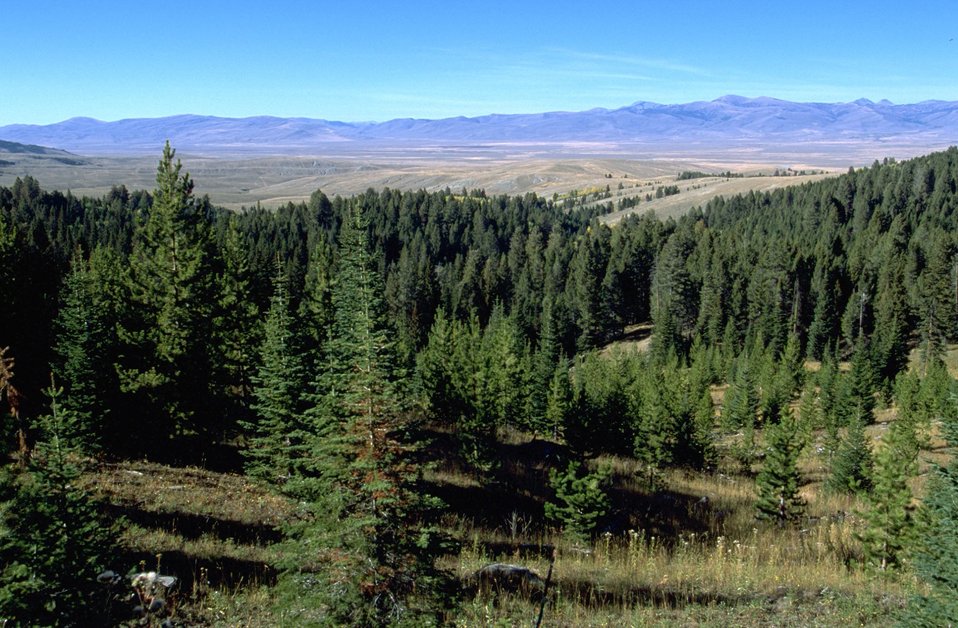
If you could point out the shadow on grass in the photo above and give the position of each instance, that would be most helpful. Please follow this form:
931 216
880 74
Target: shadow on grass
488 506
187 451
593 595
193 526
664 514
517 491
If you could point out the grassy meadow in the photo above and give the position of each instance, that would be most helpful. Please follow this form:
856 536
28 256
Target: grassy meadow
690 552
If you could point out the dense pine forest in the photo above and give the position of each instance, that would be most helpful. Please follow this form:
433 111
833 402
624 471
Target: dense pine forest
423 383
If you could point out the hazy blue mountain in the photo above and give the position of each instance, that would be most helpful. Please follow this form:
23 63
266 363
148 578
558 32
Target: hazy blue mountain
730 121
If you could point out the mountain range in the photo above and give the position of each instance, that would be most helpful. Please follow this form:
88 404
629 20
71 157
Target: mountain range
730 122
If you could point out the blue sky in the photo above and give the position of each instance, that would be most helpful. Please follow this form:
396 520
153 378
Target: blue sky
355 61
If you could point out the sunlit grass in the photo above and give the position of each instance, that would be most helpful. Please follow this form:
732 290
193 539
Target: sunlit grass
689 552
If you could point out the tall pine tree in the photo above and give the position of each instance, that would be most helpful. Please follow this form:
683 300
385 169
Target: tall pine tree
165 365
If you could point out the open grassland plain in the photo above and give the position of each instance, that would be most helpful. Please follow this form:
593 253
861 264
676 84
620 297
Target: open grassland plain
586 170
274 181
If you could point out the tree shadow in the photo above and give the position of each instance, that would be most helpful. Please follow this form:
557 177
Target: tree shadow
193 526
594 595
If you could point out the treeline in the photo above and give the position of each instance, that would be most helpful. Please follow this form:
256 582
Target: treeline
686 175
866 261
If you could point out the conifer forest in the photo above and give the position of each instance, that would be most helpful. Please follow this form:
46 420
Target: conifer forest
453 408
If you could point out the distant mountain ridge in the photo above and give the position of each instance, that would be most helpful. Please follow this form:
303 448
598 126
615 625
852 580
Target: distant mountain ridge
729 121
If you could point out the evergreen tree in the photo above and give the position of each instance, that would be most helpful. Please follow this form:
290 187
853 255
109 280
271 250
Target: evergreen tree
714 297
594 316
475 374
277 433
892 319
83 351
935 398
851 463
917 399
236 327
835 401
582 499
540 374
776 385
53 542
376 558
316 306
889 523
559 402
655 428
690 441
809 411
434 370
458 374
791 372
824 325
779 479
936 555
602 416
674 295
741 400
704 423
862 385
167 333
936 300
499 393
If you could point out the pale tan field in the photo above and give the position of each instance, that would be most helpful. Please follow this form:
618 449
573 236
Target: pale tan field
698 192
273 181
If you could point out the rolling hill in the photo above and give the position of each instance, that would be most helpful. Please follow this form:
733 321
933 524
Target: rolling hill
727 123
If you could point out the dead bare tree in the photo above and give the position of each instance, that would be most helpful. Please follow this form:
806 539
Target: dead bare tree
14 399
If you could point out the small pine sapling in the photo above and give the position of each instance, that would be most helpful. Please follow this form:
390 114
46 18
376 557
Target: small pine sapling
582 499
779 479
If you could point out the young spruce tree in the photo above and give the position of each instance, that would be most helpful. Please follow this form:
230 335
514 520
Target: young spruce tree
889 521
53 542
936 557
778 481
82 347
582 499
277 435
851 464
369 552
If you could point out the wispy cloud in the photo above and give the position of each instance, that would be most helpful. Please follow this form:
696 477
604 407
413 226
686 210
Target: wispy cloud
553 61
638 61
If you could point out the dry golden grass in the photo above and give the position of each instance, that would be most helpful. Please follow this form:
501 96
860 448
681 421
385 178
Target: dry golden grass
735 569
730 569
155 487
674 560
